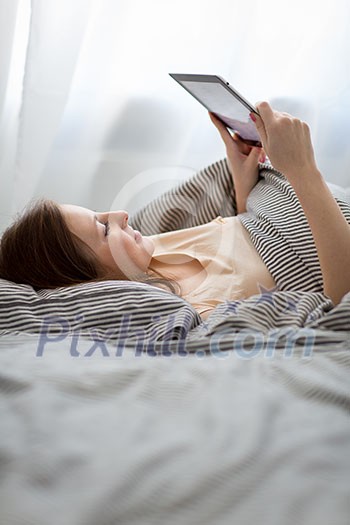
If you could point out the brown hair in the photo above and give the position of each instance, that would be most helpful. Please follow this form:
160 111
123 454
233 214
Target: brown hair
39 249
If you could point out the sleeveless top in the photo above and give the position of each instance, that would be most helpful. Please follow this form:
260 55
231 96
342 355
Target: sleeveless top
234 269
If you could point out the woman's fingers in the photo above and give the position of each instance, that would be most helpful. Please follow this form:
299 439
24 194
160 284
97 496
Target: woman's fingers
230 139
235 144
286 139
242 146
259 124
225 135
262 157
266 112
263 120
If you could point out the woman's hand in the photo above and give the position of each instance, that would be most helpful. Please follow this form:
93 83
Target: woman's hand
286 140
288 144
243 163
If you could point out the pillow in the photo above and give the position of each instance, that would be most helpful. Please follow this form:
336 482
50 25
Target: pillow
111 310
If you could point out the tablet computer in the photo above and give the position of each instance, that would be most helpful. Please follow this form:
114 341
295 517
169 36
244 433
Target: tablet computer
218 97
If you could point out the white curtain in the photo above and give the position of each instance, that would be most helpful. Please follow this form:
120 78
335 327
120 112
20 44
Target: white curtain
89 115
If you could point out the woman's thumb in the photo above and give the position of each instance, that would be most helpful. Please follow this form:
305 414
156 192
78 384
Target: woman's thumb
259 124
254 156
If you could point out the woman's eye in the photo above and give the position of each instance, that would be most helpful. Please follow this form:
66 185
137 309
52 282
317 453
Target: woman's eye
106 225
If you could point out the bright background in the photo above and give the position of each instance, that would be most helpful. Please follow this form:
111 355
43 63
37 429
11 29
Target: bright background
89 115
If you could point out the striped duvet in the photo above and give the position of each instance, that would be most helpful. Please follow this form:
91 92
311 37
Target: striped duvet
251 427
119 314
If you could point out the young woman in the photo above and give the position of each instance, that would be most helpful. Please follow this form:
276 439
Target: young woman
55 245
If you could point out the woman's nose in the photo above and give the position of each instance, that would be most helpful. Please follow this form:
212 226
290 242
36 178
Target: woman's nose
122 218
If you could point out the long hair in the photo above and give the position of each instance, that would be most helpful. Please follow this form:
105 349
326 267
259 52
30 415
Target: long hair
38 249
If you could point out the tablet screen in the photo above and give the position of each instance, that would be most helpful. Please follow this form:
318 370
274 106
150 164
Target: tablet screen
220 100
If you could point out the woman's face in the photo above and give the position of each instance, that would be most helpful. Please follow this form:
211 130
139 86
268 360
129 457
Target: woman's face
118 247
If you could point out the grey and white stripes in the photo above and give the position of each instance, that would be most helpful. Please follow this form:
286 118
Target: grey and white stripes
275 220
145 317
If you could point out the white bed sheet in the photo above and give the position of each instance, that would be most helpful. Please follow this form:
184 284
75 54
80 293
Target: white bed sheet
149 441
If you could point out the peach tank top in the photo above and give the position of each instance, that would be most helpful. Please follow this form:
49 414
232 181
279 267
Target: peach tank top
234 268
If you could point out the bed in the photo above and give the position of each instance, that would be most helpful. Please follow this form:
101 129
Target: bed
120 406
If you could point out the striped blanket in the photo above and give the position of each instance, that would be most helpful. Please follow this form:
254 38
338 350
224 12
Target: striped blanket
252 426
279 230
144 318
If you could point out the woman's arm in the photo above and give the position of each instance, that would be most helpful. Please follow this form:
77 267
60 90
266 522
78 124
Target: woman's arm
242 161
287 142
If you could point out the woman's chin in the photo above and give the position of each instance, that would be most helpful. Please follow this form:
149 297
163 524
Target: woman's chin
148 245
